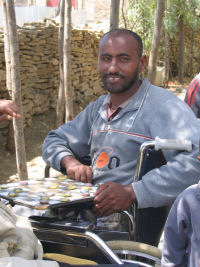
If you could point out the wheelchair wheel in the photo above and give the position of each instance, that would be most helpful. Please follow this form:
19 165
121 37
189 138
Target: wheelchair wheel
130 251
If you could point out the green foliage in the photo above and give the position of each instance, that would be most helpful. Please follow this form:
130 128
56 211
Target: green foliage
139 16
190 11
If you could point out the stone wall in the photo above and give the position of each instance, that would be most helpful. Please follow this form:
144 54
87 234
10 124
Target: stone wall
39 69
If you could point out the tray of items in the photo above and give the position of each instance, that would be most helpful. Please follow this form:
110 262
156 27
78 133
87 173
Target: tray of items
48 192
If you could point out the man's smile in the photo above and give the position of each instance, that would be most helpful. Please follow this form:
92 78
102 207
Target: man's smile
113 79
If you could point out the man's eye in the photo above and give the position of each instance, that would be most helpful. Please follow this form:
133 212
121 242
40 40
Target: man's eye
106 59
124 59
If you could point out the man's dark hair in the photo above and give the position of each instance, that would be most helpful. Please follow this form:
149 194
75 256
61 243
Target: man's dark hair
118 32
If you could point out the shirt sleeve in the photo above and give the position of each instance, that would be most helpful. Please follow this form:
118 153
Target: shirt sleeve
192 97
70 139
160 186
175 242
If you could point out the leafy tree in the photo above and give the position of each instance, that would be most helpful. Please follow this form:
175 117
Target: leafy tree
138 15
182 15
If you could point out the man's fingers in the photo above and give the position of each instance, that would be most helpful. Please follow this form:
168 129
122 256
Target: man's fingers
89 174
100 190
8 107
9 116
112 197
16 115
101 205
103 210
81 173
83 178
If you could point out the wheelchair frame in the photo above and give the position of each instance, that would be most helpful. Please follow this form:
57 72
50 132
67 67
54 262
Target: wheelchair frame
106 253
82 243
150 157
76 236
141 228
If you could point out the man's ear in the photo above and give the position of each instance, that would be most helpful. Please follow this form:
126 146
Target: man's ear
143 63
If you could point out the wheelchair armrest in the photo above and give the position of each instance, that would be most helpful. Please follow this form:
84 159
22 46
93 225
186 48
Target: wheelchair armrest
148 159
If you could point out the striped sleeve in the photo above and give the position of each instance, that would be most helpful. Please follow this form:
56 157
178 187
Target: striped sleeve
192 97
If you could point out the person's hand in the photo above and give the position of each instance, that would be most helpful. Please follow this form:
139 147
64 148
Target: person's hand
8 110
112 197
76 170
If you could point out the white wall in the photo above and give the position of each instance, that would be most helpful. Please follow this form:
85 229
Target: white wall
37 13
30 14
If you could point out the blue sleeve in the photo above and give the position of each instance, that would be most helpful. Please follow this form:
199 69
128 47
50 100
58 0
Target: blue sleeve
72 138
173 119
176 231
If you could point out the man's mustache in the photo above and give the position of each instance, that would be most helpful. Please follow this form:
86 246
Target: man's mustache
113 75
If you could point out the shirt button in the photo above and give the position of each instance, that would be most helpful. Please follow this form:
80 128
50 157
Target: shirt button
107 127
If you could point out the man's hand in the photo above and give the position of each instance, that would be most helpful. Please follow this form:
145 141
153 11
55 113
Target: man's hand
112 197
77 170
8 110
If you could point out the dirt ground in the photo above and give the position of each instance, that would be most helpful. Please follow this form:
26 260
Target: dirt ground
34 137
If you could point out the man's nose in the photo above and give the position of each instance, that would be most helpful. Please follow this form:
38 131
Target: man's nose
113 67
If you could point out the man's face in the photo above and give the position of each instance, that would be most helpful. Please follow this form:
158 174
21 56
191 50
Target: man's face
119 63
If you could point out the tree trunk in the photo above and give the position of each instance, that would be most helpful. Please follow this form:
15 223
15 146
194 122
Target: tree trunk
166 58
181 49
10 144
114 14
159 15
16 89
61 99
67 63
123 14
192 55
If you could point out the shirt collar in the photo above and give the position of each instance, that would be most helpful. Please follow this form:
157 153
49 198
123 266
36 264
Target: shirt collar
135 99
122 105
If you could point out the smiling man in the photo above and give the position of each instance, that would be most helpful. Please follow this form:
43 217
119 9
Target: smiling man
112 128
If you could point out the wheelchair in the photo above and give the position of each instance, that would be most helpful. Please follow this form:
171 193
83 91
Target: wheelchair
145 225
60 236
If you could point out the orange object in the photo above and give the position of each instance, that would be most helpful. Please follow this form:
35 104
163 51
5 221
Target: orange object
102 160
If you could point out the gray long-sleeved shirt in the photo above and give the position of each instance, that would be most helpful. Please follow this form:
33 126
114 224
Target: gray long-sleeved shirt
181 235
114 145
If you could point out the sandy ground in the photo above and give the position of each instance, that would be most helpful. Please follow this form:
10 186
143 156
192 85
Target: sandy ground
34 137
